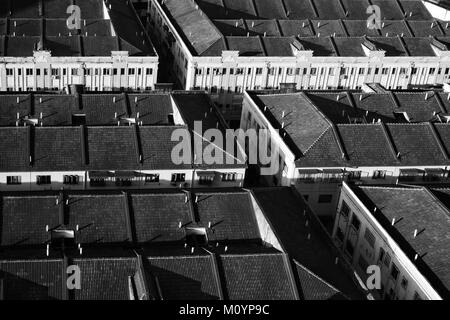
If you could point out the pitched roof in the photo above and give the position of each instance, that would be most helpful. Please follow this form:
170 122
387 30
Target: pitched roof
302 237
415 209
257 277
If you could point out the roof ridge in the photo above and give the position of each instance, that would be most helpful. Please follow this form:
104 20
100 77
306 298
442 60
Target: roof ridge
315 142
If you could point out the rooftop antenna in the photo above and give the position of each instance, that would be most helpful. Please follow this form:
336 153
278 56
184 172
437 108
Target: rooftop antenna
336 260
393 221
48 250
77 228
226 248
416 256
46 228
415 233
179 225
192 250
18 100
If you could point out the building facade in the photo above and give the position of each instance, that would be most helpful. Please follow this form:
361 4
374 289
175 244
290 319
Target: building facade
108 51
225 47
389 227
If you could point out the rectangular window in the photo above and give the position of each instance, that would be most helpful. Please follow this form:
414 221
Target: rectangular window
29 71
178 177
131 71
9 71
55 72
290 71
413 70
361 71
149 71
325 198
331 72
355 222
228 177
404 283
71 179
43 180
106 72
370 238
11 180
313 71
379 174
384 71
122 71
432 71
115 72
74 71
387 259
345 209
151 178
377 70
394 272
354 175
381 255
240 71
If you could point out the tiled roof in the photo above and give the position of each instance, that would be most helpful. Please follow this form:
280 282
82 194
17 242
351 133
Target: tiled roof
322 128
184 277
33 279
27 23
212 26
24 219
157 216
105 278
415 209
259 277
230 214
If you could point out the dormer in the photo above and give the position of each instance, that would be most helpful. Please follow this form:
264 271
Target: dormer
439 48
371 50
299 50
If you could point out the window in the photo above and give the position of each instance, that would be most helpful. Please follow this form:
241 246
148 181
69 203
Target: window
19 72
402 70
74 71
355 222
259 71
404 283
377 70
384 71
354 175
9 71
394 70
151 178
394 271
122 71
381 255
13 180
361 71
331 72
387 259
413 70
178 177
379 174
206 179
55 72
29 71
313 71
345 209
240 71
131 71
70 179
432 70
325 198
290 71
115 72
228 177
43 180
447 70
370 238
106 72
